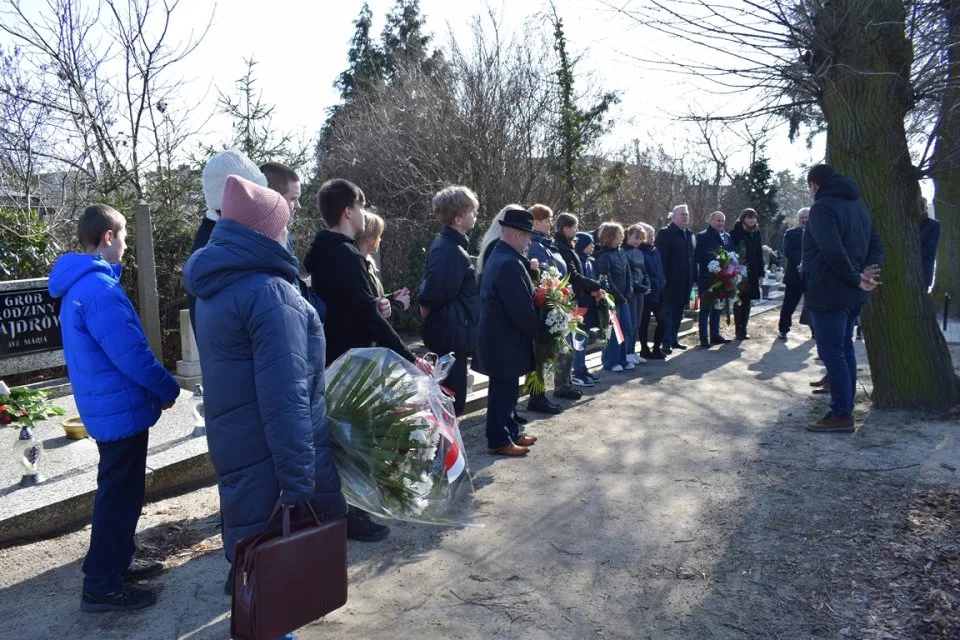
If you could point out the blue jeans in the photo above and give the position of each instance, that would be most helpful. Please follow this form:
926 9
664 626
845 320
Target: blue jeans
636 312
834 333
709 315
616 353
121 474
672 317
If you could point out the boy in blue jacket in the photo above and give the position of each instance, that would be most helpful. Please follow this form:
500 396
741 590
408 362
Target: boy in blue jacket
120 390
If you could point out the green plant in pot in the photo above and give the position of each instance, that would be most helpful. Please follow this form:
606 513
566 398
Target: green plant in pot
21 408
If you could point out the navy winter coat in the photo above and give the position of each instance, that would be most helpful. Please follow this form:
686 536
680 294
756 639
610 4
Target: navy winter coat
613 264
117 382
676 252
838 243
654 266
508 321
582 284
929 239
638 269
749 246
451 291
546 252
708 242
792 254
262 352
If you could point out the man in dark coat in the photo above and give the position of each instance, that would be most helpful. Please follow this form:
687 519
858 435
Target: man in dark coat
792 278
509 324
709 241
842 252
675 242
929 239
355 314
449 293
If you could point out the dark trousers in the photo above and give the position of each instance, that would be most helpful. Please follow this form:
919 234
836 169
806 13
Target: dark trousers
656 310
502 396
741 315
121 475
791 298
709 315
456 381
834 332
672 317
636 310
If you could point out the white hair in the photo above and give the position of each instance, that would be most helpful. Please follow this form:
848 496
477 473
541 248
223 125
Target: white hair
715 214
493 234
680 208
802 211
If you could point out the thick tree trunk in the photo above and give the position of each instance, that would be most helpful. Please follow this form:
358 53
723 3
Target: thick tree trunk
865 95
946 170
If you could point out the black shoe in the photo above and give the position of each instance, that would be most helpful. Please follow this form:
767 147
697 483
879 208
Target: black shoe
362 529
519 419
782 335
645 353
666 351
677 345
540 404
656 354
569 394
720 340
704 344
228 585
143 570
859 334
124 599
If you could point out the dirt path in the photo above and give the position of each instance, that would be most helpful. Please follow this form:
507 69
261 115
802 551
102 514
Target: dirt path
686 501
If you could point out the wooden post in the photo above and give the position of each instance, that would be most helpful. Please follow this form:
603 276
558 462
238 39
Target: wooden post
147 270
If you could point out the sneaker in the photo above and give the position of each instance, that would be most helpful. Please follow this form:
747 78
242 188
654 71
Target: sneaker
569 394
124 599
629 366
362 529
594 377
782 335
582 382
639 360
833 424
616 368
142 570
633 358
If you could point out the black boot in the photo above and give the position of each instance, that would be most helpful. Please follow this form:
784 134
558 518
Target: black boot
540 404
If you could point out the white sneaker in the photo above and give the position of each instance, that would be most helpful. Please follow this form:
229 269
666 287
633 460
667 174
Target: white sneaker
617 368
630 366
639 360
632 358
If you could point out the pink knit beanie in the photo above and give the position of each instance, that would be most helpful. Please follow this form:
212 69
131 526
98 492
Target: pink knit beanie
259 208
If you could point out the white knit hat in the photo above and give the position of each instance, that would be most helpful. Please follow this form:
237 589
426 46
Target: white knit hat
226 163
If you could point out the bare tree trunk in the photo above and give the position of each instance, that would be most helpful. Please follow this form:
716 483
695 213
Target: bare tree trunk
865 96
946 168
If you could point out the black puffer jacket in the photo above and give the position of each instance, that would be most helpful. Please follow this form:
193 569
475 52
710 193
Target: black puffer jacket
451 291
582 285
613 263
749 246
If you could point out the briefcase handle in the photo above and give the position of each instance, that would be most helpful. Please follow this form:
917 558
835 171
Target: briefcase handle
285 527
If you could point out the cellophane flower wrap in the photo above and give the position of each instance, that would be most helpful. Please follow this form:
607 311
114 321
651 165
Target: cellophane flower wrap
606 307
395 438
557 306
728 273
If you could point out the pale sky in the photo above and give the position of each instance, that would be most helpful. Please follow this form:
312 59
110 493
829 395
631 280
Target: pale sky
301 47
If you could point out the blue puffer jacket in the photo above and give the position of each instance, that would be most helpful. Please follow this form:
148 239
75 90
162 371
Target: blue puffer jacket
654 265
262 352
118 384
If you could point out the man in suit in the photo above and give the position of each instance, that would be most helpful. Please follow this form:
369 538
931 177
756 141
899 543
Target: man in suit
509 324
842 252
675 243
792 279
709 241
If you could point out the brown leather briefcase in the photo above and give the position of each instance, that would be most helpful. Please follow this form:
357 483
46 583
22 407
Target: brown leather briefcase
289 575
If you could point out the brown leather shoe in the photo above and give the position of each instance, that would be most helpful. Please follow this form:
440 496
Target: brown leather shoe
833 424
510 450
525 440
819 383
824 389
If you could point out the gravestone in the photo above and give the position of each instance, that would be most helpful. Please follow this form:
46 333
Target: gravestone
188 374
30 336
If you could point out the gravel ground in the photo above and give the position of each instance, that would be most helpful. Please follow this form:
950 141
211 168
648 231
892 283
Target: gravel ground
683 500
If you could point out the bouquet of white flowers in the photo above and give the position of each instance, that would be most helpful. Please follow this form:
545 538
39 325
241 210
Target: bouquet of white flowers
395 438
